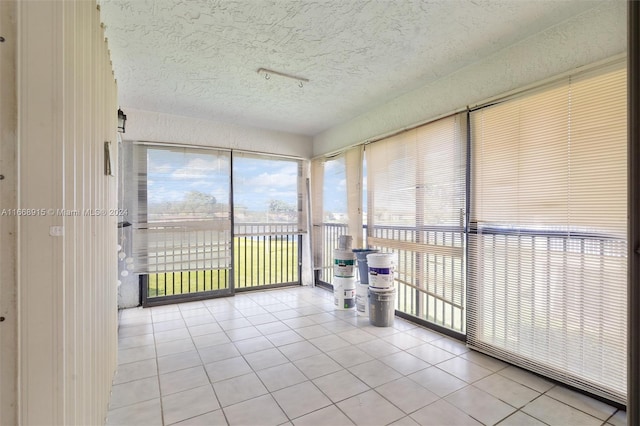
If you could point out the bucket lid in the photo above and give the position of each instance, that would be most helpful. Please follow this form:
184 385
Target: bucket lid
380 259
343 254
382 290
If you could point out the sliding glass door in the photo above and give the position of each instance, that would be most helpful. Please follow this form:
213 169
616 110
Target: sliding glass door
182 224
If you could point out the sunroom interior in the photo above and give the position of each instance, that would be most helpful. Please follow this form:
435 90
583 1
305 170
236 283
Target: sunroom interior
483 145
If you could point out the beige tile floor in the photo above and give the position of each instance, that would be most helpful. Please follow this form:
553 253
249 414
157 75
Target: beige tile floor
288 357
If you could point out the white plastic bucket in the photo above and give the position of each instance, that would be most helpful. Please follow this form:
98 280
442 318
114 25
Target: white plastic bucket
344 263
381 268
362 298
344 293
344 242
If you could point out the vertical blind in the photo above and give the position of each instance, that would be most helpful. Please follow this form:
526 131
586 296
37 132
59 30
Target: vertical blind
416 204
182 217
547 248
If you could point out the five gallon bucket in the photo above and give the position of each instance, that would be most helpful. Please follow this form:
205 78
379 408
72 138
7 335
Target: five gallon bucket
344 292
380 270
363 268
343 263
382 304
344 242
362 298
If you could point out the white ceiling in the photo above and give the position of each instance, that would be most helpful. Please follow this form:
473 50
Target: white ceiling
198 58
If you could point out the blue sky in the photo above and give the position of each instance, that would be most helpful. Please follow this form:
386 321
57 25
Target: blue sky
173 173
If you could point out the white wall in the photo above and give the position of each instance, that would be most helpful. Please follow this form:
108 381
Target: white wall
159 127
590 37
67 282
8 224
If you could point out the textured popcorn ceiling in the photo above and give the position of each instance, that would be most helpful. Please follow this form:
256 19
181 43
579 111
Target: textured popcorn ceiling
199 58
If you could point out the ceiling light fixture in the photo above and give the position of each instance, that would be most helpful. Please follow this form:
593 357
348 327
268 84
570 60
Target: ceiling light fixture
267 75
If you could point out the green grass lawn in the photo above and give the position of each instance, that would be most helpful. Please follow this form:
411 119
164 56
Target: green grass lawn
257 262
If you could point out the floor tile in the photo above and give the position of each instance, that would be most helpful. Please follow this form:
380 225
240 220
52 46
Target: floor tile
442 413
520 419
375 373
378 348
286 314
299 350
175 347
125 356
405 421
143 413
262 319
200 311
404 363
262 410
356 336
218 353
253 344
463 369
169 363
300 399
619 418
135 341
554 412
234 323
403 341
213 339
349 356
369 408
167 316
200 320
430 353
338 326
182 380
437 381
281 376
507 390
134 330
133 392
451 345
284 338
295 344
380 331
202 329
317 365
243 333
313 331
340 385
298 322
484 361
227 368
272 328
238 389
266 358
480 405
407 394
424 334
135 370
530 380
187 404
330 415
321 317
168 325
582 402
